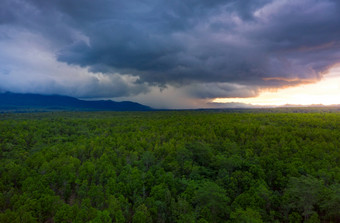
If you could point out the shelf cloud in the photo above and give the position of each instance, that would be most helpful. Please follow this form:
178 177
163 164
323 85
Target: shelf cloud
208 48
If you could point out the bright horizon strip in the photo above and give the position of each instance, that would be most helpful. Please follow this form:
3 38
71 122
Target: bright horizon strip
325 92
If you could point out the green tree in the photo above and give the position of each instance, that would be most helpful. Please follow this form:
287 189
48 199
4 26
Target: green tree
212 202
245 216
141 215
303 194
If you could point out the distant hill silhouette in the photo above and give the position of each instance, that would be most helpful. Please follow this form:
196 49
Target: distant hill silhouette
15 102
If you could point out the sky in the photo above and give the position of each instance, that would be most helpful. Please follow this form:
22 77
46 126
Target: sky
173 54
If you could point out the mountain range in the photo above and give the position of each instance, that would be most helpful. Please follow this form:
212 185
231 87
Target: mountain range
27 102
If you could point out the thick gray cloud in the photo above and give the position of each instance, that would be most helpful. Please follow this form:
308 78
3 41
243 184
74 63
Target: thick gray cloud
28 65
211 49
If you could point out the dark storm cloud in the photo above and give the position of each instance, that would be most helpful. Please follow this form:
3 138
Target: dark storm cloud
218 90
217 48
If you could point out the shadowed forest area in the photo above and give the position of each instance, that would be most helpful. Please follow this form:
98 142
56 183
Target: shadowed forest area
170 166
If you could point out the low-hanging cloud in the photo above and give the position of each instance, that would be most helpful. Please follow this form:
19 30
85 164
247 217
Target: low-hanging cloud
211 48
27 65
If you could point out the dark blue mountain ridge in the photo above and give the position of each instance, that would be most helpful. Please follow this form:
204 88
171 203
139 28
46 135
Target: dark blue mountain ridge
17 101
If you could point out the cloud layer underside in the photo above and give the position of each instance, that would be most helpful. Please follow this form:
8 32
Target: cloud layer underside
220 45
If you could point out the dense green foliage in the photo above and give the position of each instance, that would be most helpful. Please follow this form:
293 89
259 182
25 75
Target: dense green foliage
170 167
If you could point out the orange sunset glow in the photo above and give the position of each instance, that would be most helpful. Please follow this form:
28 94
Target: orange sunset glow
324 92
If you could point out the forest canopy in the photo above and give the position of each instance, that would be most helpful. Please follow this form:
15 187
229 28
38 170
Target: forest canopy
170 166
